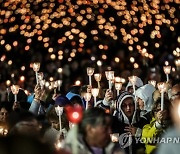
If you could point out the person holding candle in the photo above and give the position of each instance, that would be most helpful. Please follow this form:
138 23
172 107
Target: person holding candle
5 108
144 96
93 136
138 84
126 120
159 123
173 132
108 101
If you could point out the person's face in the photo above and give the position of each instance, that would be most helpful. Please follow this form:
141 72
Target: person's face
16 105
3 114
131 90
140 103
128 107
54 124
99 136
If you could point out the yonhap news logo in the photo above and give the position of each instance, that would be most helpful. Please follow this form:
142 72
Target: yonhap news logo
125 140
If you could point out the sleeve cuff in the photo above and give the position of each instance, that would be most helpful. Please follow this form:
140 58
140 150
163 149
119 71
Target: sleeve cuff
106 103
138 132
158 125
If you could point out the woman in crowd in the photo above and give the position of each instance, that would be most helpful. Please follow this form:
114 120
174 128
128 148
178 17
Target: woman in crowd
159 123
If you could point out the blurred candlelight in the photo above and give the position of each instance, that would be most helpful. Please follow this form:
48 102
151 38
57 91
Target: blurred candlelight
118 86
133 80
15 90
59 111
59 83
77 82
109 77
97 77
177 63
162 88
95 92
36 67
167 71
114 137
8 83
87 97
90 72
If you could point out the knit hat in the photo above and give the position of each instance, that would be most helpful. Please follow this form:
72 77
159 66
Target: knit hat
62 101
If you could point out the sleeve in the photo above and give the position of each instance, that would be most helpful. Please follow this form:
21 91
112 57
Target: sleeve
36 107
151 131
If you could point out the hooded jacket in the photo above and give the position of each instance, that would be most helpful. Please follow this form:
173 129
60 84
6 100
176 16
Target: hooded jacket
146 94
120 121
138 83
71 95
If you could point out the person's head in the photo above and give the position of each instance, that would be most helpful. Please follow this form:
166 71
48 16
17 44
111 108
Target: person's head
157 107
23 123
175 111
126 104
53 118
144 96
96 127
4 111
175 92
138 84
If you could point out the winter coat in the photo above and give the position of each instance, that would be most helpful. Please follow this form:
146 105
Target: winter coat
120 121
150 135
76 139
146 94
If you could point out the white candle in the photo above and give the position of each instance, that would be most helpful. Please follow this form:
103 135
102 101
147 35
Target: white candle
15 98
167 77
162 101
90 82
37 81
60 126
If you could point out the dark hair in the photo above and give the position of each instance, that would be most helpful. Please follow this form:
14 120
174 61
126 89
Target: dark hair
167 104
21 96
6 105
94 117
76 100
75 89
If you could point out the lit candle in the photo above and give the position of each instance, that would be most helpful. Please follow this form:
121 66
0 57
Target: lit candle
95 92
60 71
15 90
97 77
177 63
133 80
90 72
36 67
162 88
87 97
110 77
167 71
59 82
59 111
118 86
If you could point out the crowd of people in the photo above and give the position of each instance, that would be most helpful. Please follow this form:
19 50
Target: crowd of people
136 121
